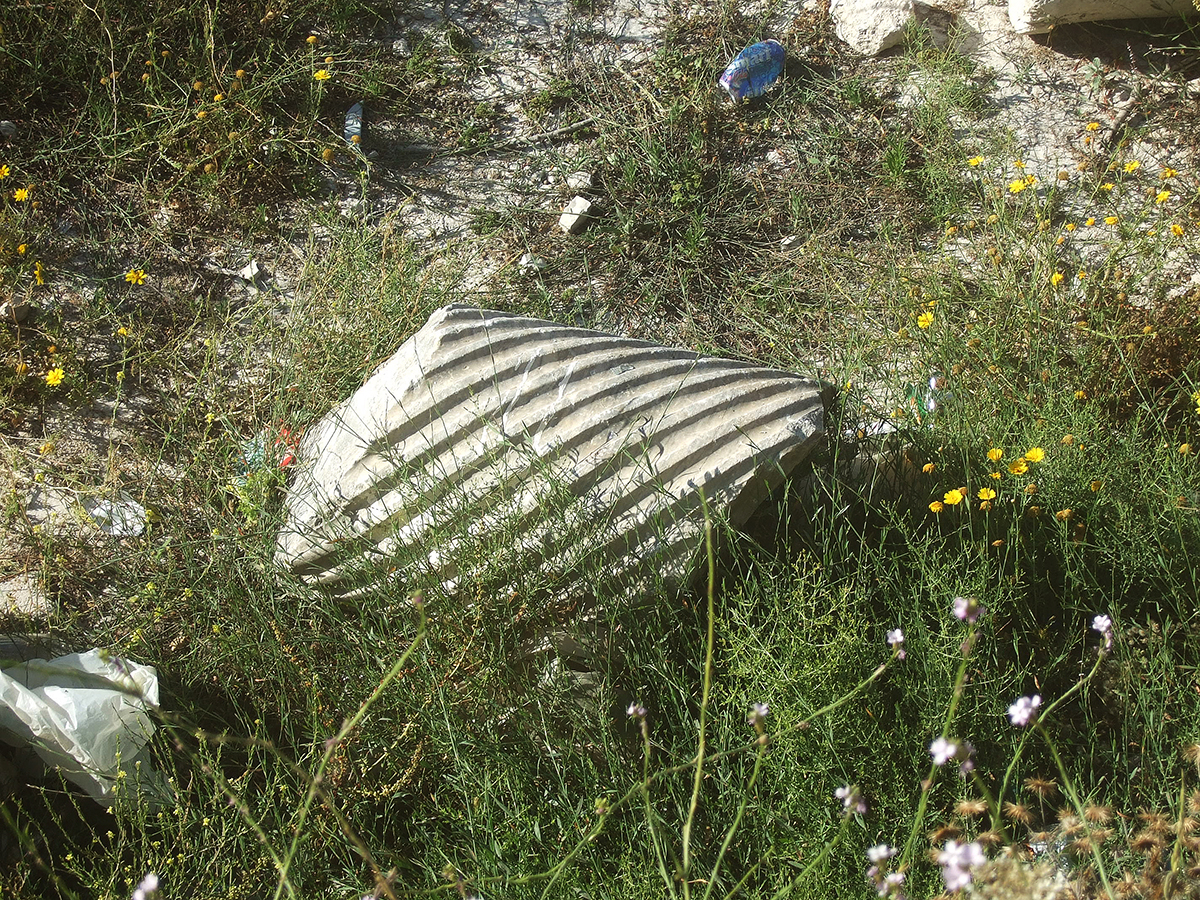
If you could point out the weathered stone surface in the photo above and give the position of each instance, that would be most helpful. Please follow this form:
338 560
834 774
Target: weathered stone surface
1039 16
575 217
24 596
549 448
871 26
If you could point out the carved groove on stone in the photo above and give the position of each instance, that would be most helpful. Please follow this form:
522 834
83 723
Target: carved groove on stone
567 449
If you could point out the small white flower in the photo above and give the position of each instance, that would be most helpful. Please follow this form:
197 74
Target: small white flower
942 751
1022 710
957 860
880 852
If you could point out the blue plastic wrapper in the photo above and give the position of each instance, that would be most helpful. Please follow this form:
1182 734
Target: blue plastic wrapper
753 70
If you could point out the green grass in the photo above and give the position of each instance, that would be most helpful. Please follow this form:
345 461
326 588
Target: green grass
471 766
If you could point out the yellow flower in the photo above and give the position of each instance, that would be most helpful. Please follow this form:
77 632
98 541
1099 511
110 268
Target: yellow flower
985 505
1132 166
1081 395
311 40
1031 488
1162 197
1063 514
1035 454
975 161
21 248
995 475
1096 485
21 195
1111 220
953 497
1018 466
4 170
37 273
22 368
122 331
240 73
198 86
1057 278
936 506
1185 449
1015 187
924 320
200 114
1177 230
54 377
1092 126
1019 164
1070 226
986 494
1107 186
995 454
135 276
1091 220
1081 275
321 75
1068 440
1166 173
928 467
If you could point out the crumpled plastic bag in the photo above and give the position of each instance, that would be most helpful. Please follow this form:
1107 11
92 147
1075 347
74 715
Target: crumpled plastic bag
86 714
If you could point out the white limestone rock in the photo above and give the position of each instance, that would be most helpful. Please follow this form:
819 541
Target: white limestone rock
871 26
575 217
1039 16
544 448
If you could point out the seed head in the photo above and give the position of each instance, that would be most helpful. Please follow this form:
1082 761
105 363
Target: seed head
970 807
1018 812
1098 815
1041 787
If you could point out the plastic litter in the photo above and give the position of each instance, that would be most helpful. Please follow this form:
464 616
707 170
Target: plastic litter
122 517
86 714
352 133
753 70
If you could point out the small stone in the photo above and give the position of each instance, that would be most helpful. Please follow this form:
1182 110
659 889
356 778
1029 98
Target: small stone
14 309
575 217
791 242
8 129
401 48
580 181
530 264
252 272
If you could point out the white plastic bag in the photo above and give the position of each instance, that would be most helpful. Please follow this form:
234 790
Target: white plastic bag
86 714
